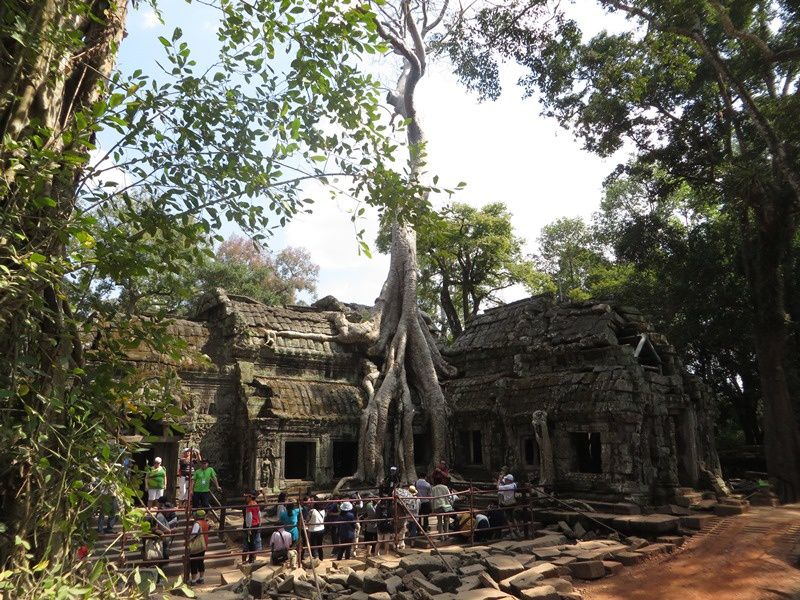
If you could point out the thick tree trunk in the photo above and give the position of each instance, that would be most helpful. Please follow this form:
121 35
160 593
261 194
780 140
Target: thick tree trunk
411 359
764 248
45 82
449 309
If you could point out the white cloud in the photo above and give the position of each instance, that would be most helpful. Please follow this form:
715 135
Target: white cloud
150 19
330 237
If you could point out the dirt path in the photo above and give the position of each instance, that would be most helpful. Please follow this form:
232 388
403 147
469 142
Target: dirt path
742 558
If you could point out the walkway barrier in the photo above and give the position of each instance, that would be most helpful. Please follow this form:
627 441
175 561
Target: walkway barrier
458 524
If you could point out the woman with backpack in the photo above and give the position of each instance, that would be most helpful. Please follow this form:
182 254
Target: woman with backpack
198 542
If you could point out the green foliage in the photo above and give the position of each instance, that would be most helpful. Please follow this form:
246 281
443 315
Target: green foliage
569 255
194 147
466 255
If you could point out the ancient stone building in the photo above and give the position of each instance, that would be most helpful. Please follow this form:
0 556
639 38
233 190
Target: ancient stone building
277 398
619 415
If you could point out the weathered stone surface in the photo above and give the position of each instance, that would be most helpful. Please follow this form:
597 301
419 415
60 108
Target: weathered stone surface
304 589
592 569
656 549
501 566
425 563
542 592
448 582
393 582
418 582
487 581
612 567
372 581
698 521
469 583
523 581
380 596
628 558
355 580
484 594
647 524
473 569
546 553
562 586
563 561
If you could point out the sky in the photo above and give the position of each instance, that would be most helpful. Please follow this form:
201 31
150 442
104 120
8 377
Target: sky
504 150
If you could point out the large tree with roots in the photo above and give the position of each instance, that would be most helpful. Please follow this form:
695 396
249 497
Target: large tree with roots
400 339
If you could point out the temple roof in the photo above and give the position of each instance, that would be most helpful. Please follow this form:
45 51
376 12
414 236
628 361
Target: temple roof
304 399
539 321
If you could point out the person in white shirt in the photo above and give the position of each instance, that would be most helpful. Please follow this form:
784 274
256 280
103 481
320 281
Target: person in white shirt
281 548
441 503
507 497
316 529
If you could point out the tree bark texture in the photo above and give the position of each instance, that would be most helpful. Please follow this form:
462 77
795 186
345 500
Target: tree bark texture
69 49
767 235
411 362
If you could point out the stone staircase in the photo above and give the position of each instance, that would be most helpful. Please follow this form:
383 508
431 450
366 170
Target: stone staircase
109 546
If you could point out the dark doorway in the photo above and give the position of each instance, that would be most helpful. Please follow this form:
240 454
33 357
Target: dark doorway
586 452
529 452
298 461
422 450
470 447
345 457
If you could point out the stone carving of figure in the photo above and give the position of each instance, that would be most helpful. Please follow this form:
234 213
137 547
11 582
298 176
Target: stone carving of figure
546 466
371 373
267 470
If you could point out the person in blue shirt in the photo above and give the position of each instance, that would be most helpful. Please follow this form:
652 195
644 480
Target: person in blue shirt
347 531
289 519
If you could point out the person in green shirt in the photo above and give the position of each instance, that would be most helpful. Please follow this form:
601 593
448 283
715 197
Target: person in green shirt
202 479
156 482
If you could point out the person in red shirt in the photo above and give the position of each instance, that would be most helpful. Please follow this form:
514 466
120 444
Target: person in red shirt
252 528
441 474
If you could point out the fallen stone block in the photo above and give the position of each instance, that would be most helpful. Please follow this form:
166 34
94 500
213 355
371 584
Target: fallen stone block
355 580
393 583
285 586
628 558
472 569
469 583
487 581
448 582
563 561
698 522
501 567
372 582
592 569
304 589
612 567
425 563
542 592
484 594
562 586
656 549
729 510
418 583
675 540
546 553
647 524
356 565
380 596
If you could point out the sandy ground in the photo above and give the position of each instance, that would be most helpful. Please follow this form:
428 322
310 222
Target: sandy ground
742 558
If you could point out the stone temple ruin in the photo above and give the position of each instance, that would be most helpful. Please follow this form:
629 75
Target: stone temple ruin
582 396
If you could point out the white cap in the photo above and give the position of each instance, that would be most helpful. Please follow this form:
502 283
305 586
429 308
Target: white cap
346 506
393 468
157 459
509 477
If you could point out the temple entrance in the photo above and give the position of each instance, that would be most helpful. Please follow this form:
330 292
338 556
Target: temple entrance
298 461
586 452
422 451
